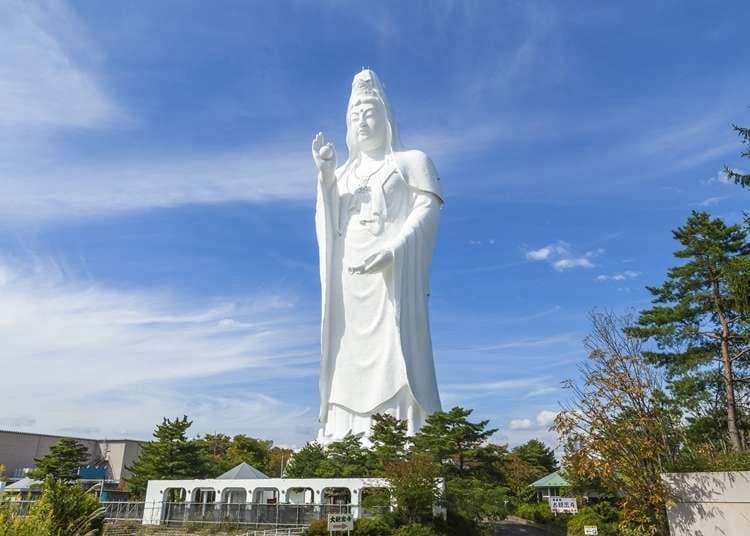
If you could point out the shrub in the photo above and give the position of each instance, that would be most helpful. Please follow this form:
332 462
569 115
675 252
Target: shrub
457 524
476 500
589 516
415 529
538 512
372 526
319 527
63 509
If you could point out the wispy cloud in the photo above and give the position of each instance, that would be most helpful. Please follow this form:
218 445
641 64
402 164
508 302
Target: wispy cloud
50 81
59 192
129 354
522 343
619 276
561 256
42 46
496 386
711 201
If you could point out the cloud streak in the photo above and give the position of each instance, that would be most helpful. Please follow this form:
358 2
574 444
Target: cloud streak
44 84
128 355
253 175
619 276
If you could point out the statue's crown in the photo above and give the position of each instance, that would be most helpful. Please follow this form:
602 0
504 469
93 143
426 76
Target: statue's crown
364 84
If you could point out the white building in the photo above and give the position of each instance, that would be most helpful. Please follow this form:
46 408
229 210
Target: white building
279 501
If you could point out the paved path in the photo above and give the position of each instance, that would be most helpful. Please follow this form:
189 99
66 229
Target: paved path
518 527
515 529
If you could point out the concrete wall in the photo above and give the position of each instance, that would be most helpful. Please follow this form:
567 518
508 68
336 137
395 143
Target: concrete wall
18 450
120 454
709 504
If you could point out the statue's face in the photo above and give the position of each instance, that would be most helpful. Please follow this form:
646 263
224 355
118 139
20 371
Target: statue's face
369 123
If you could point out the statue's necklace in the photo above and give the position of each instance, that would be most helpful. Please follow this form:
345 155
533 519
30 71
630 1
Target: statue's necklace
364 181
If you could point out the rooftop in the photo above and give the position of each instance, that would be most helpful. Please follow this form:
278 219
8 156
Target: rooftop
552 480
240 472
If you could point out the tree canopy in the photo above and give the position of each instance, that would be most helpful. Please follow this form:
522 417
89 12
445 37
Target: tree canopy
62 462
615 430
452 440
739 177
699 320
537 455
171 455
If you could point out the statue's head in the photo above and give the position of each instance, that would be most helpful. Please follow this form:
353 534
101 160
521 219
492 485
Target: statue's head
369 120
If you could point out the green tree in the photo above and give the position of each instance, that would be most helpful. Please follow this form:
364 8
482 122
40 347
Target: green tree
225 453
279 457
476 500
344 459
537 454
307 462
453 441
171 455
256 452
216 446
518 473
389 441
414 486
62 461
743 179
697 319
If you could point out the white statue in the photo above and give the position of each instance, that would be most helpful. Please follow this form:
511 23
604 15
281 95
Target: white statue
376 221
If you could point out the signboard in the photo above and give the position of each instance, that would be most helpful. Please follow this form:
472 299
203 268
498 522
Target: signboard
590 531
340 522
563 505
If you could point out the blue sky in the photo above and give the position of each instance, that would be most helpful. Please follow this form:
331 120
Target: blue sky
157 251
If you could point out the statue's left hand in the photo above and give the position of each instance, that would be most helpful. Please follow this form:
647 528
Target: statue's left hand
373 263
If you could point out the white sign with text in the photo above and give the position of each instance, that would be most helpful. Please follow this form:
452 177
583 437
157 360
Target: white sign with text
563 505
340 522
590 531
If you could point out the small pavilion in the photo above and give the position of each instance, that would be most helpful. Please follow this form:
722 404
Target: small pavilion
550 485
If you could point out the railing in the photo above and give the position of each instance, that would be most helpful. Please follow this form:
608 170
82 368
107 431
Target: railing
298 531
248 513
123 511
284 518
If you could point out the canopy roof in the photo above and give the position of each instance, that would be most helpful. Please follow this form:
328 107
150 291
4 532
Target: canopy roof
552 480
24 484
242 471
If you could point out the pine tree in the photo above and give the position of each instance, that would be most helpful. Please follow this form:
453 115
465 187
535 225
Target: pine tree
697 319
452 440
345 458
537 454
389 441
171 455
62 462
306 463
743 179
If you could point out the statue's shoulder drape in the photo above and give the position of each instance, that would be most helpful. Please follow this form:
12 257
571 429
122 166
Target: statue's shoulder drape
419 172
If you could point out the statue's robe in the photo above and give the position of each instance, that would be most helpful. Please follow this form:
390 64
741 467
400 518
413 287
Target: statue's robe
376 350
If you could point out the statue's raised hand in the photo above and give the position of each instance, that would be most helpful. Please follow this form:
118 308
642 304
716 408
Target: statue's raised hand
324 155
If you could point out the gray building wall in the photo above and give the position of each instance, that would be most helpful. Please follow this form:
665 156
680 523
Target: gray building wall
708 504
18 450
